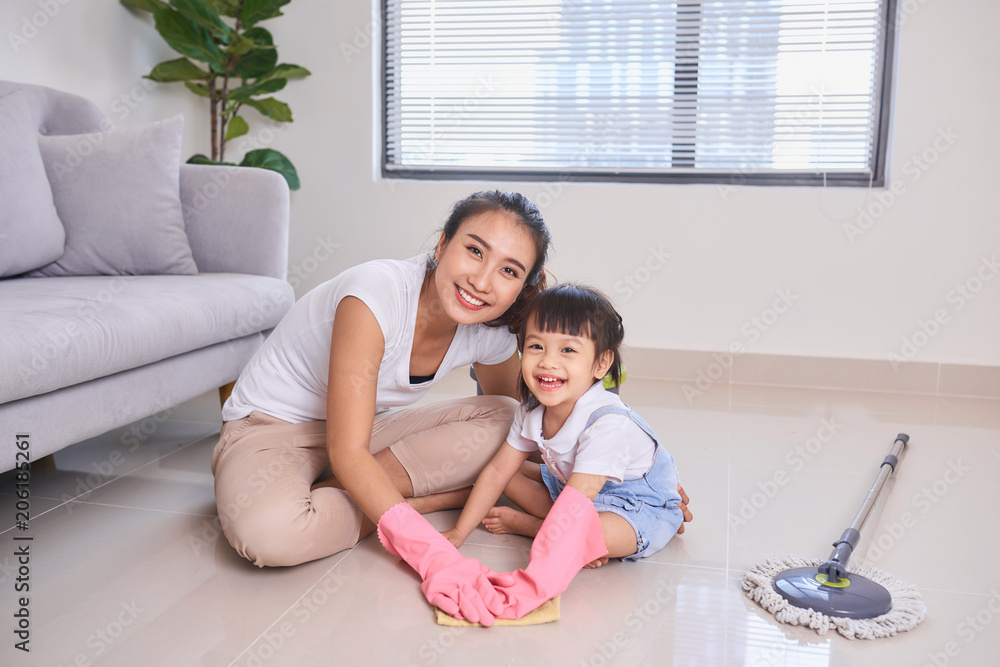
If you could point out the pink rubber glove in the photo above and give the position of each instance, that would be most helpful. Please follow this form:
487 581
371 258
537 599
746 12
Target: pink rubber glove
570 537
461 587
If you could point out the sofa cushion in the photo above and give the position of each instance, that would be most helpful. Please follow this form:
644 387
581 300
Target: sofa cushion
118 196
57 332
31 234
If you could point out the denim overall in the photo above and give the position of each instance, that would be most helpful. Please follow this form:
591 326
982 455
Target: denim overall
648 503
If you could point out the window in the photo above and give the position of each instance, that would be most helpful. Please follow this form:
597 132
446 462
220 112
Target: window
768 91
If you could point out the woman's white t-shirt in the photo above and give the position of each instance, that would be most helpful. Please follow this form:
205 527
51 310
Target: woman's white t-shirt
287 377
614 446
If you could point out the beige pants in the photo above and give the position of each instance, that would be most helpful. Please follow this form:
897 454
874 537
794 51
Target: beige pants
264 468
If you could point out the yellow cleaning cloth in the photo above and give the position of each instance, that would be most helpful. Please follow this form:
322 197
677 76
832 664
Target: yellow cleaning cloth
547 613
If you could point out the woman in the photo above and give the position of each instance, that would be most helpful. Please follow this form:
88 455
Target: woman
309 458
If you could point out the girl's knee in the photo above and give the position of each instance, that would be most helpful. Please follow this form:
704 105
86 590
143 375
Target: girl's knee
619 535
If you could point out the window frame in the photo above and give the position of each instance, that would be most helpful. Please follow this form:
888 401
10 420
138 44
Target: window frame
885 84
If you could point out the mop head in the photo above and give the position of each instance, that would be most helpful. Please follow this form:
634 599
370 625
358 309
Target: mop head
908 610
547 613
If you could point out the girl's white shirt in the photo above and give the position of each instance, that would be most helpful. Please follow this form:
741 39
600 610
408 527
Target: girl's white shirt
287 377
614 446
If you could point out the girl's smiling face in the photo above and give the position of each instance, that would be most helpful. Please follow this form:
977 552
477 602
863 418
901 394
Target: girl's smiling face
559 368
482 269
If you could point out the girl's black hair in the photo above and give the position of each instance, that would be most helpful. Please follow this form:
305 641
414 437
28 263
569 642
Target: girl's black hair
577 310
528 215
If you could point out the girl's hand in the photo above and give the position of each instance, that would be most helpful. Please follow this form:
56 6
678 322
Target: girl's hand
684 508
453 537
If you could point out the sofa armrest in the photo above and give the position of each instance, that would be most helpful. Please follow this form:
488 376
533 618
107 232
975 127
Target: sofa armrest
236 219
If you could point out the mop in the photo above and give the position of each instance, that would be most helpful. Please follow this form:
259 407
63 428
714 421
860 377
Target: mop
864 603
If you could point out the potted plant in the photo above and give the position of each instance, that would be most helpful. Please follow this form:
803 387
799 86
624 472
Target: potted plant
228 58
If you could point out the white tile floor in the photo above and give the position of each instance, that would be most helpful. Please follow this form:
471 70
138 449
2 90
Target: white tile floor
128 566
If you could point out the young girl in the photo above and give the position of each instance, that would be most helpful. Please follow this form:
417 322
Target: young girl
588 438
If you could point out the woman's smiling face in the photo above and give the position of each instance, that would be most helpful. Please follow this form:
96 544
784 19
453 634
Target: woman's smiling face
482 269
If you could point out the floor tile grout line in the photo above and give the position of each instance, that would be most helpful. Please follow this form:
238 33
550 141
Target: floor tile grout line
75 498
292 606
142 509
989 446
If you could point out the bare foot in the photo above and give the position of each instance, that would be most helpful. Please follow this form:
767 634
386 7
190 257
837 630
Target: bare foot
603 560
504 520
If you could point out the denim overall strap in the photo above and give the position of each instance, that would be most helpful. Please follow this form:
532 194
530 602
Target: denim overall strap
608 409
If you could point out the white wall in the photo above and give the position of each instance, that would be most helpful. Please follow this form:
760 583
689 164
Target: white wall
730 250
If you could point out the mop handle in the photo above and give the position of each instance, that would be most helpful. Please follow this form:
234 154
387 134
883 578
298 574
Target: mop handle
835 568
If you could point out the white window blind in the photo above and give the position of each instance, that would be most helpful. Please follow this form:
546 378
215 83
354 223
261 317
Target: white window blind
585 89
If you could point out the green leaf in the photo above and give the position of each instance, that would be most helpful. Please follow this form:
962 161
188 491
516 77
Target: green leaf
188 38
272 108
204 159
268 158
181 69
202 14
261 59
225 7
285 71
144 5
237 127
243 93
240 44
198 89
260 10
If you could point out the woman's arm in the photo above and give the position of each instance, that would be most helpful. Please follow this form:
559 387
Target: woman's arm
356 351
499 379
489 485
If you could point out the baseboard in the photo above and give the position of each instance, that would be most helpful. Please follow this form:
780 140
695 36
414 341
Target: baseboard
707 368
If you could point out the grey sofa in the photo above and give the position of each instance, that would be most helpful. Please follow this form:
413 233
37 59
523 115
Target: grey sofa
84 354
